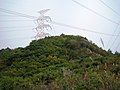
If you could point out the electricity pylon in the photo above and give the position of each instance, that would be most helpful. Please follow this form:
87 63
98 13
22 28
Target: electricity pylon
42 25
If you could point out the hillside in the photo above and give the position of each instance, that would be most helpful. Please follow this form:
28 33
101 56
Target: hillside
62 62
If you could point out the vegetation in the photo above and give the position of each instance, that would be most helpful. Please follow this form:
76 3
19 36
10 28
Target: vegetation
63 62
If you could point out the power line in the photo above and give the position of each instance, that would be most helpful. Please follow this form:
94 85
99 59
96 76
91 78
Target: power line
9 15
17 13
95 12
78 28
19 38
14 20
65 25
61 24
116 26
109 7
101 16
117 47
114 40
17 27
113 33
15 30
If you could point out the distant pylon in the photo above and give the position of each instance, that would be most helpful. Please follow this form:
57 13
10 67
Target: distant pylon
102 42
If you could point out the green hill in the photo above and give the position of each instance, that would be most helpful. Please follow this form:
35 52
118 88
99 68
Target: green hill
62 62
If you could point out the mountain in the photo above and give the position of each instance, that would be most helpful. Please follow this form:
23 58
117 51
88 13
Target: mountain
64 62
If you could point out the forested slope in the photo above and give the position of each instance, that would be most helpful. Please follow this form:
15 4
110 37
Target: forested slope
62 62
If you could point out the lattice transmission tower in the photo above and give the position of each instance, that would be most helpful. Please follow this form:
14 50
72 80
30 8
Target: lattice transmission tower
42 24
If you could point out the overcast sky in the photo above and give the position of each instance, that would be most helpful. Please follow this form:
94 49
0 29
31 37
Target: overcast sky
17 31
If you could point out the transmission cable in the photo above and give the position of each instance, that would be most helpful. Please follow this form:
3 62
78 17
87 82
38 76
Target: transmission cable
117 47
114 12
95 12
14 20
17 27
57 23
114 40
111 37
16 13
78 28
109 7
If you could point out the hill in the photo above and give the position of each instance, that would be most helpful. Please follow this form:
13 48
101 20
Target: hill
62 62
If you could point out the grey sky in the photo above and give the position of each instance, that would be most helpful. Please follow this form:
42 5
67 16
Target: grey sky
63 11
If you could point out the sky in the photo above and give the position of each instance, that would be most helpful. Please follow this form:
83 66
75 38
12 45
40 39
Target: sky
18 31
